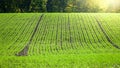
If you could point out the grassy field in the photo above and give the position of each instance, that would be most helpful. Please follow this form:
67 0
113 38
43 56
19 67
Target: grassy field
60 40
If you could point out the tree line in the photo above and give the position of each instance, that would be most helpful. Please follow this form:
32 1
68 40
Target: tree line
50 6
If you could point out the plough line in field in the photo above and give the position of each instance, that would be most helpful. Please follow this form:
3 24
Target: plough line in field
24 52
107 37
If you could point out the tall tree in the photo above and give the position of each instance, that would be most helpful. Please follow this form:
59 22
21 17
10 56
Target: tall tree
49 6
63 5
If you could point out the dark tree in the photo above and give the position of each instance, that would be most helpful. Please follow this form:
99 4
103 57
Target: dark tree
49 6
52 6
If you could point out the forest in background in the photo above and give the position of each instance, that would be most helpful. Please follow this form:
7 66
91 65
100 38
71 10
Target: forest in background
8 6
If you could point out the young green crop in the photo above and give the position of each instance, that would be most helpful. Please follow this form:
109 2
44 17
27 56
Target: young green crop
59 40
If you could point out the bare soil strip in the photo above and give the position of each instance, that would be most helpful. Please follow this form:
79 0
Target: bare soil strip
24 52
107 37
98 30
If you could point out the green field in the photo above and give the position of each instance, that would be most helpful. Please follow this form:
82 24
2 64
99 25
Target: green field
60 40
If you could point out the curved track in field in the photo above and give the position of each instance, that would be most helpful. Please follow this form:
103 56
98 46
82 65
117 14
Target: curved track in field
25 49
107 37
56 33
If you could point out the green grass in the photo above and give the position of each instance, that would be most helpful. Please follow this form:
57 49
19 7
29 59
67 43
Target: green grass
62 40
107 60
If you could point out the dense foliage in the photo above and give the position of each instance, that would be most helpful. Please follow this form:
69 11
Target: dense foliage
53 6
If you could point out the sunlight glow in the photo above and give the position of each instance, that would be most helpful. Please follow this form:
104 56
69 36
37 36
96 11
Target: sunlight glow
109 4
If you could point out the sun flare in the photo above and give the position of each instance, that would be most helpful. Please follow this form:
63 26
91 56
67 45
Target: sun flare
109 4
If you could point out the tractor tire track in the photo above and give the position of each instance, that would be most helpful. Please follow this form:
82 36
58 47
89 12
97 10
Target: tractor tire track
24 52
22 26
99 32
107 37
30 23
111 31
